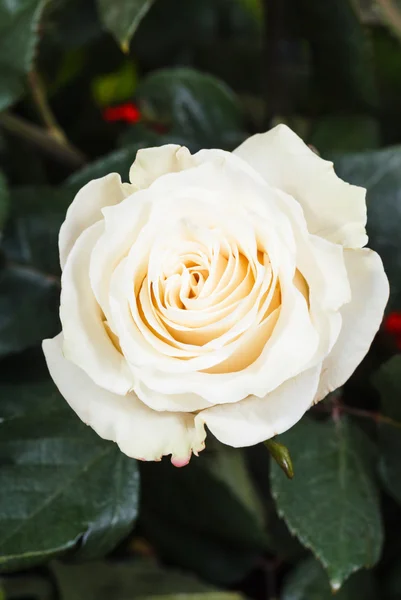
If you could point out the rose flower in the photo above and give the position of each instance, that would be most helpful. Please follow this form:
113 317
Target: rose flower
220 291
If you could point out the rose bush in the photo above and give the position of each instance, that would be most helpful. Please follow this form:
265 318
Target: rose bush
226 290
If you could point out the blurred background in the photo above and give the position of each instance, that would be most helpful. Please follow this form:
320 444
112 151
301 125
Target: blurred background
83 85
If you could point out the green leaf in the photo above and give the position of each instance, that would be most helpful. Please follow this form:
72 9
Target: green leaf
130 580
118 161
388 382
199 107
228 465
72 24
122 17
337 133
199 511
339 47
18 37
31 236
4 200
29 303
332 502
62 485
308 581
380 173
281 542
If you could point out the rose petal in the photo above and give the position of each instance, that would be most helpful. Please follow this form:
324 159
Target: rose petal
361 318
151 163
86 341
333 209
254 419
86 207
139 431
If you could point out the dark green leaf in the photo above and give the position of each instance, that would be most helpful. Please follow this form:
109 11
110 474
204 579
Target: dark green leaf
4 200
200 511
18 37
388 382
31 236
380 173
339 133
228 466
72 24
122 17
29 303
341 54
332 502
119 161
308 581
280 541
130 580
61 483
193 105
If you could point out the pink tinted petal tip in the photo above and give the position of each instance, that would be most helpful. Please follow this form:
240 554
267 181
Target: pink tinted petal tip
180 462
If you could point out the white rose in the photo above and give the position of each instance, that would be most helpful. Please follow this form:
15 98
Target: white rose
227 290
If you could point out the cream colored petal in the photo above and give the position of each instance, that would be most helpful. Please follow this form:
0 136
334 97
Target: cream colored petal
86 341
122 225
333 209
189 402
254 419
86 208
289 350
151 163
361 318
140 432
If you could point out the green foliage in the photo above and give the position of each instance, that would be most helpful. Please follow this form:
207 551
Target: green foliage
211 506
18 38
388 382
380 173
341 54
36 215
339 133
28 308
203 74
4 200
332 503
119 161
62 485
139 579
122 17
194 105
308 581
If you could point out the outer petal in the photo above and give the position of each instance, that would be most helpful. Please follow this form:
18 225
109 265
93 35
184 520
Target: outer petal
151 163
361 318
254 419
139 431
86 207
333 209
86 340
